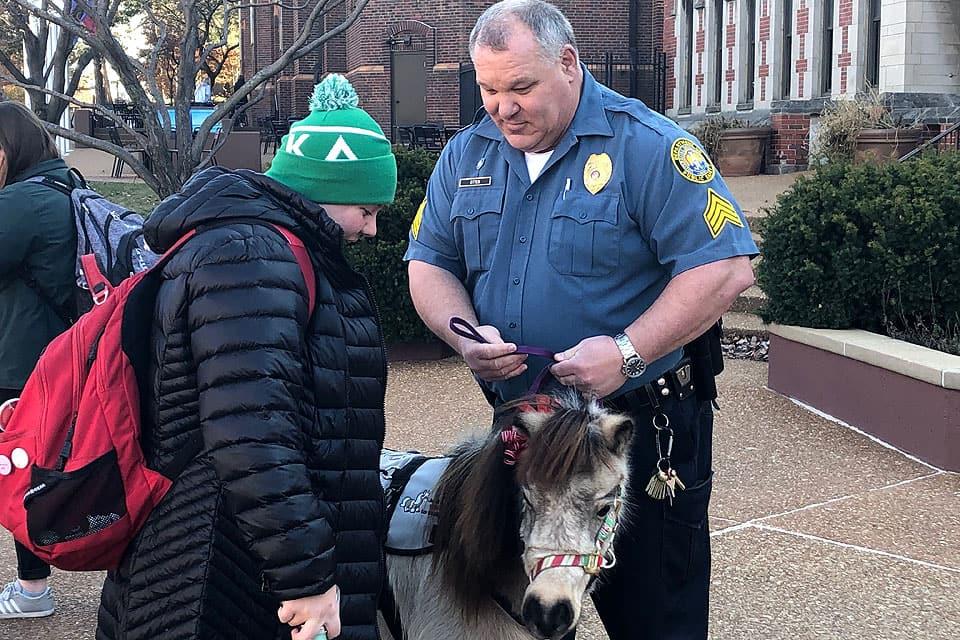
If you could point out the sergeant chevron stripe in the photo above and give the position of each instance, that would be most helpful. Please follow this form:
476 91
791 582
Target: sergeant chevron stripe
719 212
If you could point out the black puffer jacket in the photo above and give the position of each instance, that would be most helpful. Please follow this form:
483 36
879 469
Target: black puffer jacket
284 499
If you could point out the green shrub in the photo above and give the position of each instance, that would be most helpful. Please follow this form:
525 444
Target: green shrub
867 247
381 259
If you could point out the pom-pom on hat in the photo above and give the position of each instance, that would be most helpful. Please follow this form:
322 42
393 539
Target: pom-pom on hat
337 154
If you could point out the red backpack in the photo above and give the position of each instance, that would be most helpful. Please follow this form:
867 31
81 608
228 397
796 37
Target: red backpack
74 485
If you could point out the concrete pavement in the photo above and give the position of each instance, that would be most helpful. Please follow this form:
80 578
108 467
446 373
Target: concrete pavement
818 531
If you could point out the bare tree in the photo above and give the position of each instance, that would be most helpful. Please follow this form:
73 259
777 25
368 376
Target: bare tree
173 153
167 23
37 71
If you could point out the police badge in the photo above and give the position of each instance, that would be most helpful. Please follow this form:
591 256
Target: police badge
597 172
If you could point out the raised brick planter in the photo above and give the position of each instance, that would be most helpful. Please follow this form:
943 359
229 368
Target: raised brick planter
904 394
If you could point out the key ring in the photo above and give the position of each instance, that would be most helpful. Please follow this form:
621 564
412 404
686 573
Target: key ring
666 422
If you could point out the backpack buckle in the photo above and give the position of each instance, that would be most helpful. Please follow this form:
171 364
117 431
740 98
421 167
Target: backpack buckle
100 294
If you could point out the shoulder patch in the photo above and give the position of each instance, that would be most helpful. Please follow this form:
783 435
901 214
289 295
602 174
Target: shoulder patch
417 219
690 162
719 212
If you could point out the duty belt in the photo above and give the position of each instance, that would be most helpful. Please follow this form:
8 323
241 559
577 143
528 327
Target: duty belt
677 383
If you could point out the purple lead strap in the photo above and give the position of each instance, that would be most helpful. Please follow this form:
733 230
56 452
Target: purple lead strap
466 330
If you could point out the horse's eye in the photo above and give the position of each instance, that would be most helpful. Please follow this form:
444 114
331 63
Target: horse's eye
604 510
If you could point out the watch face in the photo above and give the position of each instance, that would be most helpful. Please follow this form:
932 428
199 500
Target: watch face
634 367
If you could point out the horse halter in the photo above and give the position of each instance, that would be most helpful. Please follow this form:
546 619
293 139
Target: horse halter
591 563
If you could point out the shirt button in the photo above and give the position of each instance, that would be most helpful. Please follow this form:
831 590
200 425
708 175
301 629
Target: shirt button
516 281
513 325
583 216
469 210
523 239
529 197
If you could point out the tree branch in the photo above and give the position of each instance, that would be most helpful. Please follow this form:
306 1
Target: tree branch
224 37
137 136
294 52
85 59
102 145
12 68
290 7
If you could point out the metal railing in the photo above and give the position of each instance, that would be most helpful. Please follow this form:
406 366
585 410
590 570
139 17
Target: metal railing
642 77
943 141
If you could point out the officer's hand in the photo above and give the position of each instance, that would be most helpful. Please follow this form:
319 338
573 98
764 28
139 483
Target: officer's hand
495 360
593 366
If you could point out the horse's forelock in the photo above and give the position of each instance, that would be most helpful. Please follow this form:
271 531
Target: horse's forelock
565 444
477 534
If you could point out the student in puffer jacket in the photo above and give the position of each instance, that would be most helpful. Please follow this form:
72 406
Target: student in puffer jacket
275 528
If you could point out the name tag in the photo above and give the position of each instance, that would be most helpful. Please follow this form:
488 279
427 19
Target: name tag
483 181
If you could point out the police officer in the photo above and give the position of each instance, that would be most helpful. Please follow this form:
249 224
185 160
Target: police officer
574 219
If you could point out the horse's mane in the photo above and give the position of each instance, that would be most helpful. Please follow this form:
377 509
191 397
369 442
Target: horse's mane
477 540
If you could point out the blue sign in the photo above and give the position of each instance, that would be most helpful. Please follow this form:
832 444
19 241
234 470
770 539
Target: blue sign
197 116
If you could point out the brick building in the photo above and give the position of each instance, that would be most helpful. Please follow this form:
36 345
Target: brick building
780 61
408 58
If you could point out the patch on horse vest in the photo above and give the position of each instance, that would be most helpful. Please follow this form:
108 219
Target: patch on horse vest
408 480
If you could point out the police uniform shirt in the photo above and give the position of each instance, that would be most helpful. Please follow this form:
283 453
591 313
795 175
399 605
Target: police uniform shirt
627 201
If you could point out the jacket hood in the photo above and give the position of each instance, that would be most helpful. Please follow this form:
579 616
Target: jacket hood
218 195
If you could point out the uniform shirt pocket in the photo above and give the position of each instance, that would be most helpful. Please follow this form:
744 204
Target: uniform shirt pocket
475 217
584 240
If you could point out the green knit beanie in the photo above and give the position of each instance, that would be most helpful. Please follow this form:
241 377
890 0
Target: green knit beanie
337 154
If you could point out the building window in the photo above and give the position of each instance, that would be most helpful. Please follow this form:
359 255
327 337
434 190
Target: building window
873 43
826 59
785 69
686 70
748 50
717 51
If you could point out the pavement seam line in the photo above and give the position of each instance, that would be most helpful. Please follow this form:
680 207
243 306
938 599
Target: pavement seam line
887 445
752 521
855 547
904 482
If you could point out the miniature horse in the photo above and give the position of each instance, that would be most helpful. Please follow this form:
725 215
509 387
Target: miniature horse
525 521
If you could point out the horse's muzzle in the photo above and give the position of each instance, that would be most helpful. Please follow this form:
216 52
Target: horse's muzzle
547 621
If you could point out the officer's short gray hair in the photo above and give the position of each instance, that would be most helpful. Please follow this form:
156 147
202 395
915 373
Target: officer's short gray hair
548 25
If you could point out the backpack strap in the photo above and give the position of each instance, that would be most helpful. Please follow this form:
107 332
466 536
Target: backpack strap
97 283
100 286
303 261
65 315
53 183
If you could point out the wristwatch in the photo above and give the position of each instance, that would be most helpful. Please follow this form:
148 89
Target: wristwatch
633 364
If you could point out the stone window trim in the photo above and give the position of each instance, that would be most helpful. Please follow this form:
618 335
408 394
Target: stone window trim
747 50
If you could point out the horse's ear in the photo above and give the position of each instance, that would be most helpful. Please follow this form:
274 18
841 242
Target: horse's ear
617 430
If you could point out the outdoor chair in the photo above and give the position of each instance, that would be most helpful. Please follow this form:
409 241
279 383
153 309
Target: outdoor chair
405 137
428 137
268 133
117 139
449 132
